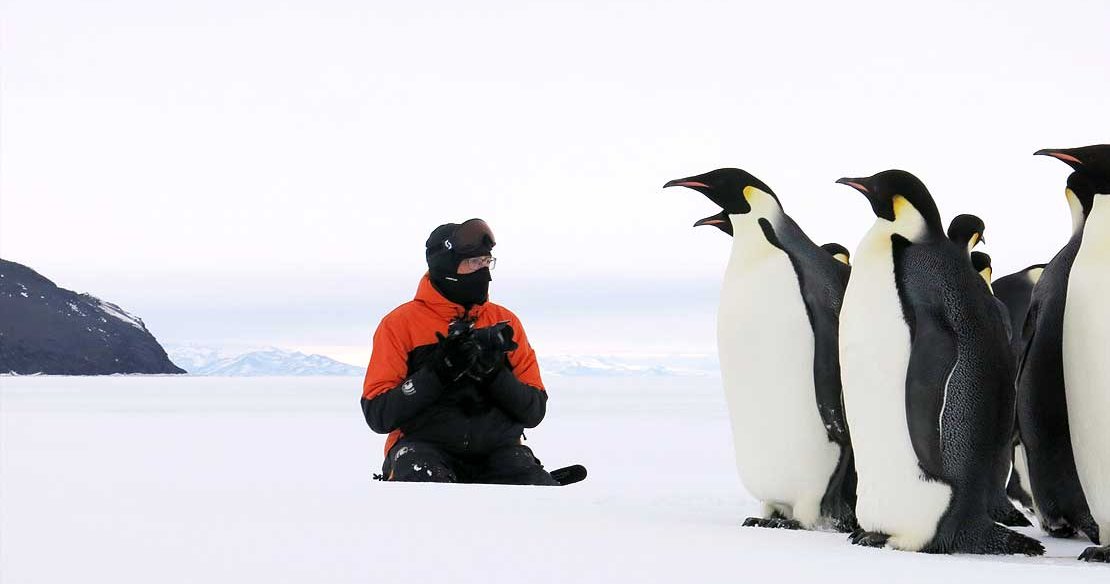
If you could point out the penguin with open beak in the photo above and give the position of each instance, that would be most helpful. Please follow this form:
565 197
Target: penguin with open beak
777 342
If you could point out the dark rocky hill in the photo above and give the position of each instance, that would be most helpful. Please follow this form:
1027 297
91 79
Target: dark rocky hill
51 330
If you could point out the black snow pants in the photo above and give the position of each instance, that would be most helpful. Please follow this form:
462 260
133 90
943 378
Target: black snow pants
413 461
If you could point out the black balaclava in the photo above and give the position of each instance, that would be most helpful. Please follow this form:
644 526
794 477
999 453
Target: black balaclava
450 244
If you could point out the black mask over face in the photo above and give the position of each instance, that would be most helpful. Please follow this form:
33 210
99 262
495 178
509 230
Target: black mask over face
465 289
450 244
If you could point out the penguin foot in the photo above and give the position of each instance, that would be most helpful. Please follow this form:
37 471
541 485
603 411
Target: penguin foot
1096 554
772 523
864 538
994 539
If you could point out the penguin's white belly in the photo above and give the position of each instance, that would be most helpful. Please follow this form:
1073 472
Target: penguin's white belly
1086 352
893 496
766 346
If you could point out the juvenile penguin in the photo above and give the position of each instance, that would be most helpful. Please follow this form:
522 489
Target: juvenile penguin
1015 291
928 382
1086 337
777 342
1042 409
839 252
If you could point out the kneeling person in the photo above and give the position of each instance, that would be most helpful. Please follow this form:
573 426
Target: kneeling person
452 378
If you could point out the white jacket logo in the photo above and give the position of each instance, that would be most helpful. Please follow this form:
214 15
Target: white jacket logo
408 388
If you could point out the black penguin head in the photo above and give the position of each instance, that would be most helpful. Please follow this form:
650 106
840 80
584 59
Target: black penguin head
1091 176
966 231
982 264
1094 159
898 196
839 252
734 190
720 221
980 261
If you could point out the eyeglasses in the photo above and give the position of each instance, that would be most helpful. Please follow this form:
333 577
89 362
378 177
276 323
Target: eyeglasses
471 265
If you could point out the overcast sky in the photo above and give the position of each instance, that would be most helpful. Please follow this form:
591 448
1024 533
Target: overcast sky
265 172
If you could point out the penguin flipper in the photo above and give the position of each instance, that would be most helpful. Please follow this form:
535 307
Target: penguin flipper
933 356
826 372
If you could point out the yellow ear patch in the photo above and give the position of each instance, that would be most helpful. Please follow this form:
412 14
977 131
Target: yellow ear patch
900 204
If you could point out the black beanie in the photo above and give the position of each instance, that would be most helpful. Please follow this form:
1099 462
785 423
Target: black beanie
443 254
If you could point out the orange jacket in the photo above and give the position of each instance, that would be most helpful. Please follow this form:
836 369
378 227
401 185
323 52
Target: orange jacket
400 393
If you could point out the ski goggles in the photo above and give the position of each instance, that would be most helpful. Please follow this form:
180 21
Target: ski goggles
472 235
471 265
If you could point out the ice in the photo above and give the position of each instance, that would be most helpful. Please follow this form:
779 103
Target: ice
212 479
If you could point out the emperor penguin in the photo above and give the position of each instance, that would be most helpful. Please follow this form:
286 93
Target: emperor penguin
1002 510
1086 335
839 252
928 382
777 343
967 231
1015 291
1059 501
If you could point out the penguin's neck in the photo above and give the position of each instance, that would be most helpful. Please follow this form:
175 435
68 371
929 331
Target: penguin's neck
1077 217
749 241
876 244
1096 231
910 223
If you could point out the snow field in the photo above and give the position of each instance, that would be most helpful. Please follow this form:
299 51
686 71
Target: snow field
207 479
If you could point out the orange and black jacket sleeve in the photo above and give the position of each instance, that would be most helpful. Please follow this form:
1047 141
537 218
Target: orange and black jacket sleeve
390 396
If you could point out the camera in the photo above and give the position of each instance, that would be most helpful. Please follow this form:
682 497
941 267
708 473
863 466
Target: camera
497 338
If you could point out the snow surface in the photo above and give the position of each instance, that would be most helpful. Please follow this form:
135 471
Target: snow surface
216 479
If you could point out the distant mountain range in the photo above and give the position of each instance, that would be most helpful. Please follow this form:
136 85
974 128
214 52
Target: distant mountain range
266 362
199 360
50 330
629 366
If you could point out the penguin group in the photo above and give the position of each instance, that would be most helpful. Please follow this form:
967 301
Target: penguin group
901 395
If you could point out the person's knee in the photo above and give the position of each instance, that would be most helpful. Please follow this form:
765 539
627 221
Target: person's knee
416 463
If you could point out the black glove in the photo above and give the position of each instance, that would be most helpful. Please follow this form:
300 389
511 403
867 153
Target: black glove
492 342
455 353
